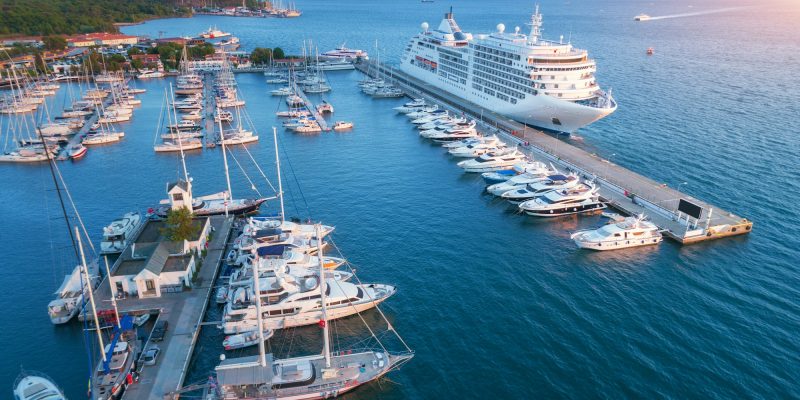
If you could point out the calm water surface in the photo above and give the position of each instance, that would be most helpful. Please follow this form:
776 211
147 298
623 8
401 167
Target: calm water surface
493 303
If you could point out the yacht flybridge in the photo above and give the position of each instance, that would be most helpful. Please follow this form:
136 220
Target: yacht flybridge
544 83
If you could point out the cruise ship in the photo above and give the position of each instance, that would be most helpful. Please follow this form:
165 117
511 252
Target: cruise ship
542 83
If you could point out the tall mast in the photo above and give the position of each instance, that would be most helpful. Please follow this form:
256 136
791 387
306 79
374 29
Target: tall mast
58 190
326 345
91 296
180 142
262 356
225 161
278 167
536 25
113 298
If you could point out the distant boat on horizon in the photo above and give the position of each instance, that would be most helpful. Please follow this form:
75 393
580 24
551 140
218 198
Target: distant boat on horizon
642 17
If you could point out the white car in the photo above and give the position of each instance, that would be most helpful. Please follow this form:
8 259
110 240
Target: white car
151 356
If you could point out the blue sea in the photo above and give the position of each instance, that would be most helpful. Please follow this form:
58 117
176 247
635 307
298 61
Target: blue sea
493 303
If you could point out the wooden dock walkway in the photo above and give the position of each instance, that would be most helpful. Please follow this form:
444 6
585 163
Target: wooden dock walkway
210 131
622 188
311 107
184 311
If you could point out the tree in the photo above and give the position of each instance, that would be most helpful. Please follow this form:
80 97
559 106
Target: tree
278 53
179 225
260 56
134 50
54 42
137 64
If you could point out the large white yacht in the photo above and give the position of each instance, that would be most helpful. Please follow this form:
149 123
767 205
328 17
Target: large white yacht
630 232
543 83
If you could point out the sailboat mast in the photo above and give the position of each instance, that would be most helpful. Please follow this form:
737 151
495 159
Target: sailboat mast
262 356
58 190
323 287
229 195
180 142
113 298
278 167
91 296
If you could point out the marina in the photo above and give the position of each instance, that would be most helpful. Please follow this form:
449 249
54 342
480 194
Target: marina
621 188
303 257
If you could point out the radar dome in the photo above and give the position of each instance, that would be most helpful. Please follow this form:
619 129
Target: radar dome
501 28
516 29
424 26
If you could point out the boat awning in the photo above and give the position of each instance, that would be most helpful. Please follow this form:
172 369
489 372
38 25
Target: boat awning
268 232
558 177
271 250
71 283
244 371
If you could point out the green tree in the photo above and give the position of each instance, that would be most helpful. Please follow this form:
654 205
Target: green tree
54 42
179 225
137 64
278 53
134 50
260 56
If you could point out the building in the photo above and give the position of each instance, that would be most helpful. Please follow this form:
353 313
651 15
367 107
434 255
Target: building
101 39
153 265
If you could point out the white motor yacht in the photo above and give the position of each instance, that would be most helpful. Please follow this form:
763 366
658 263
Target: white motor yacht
531 175
580 199
493 161
630 232
476 150
31 385
538 188
423 111
119 233
454 135
411 106
506 174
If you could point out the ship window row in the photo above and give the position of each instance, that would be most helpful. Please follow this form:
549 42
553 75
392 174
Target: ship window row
521 85
423 66
498 88
490 50
453 78
450 53
493 58
453 71
423 44
525 81
453 60
501 67
556 60
542 69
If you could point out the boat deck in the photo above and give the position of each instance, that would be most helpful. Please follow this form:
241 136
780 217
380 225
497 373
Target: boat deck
183 311
622 188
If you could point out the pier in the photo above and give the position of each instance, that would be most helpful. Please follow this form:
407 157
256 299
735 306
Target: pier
621 188
183 310
311 107
209 104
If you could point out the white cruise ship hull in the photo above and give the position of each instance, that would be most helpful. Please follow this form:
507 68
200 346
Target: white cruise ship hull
541 111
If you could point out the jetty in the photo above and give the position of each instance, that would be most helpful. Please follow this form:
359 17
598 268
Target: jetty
209 101
311 107
682 218
182 307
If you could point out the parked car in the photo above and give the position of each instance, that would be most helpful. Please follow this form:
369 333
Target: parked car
141 319
151 356
159 331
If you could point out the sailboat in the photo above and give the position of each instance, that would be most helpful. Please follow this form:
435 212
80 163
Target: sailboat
318 376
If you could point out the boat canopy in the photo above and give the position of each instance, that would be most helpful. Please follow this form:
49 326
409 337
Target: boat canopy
276 250
71 283
244 371
558 177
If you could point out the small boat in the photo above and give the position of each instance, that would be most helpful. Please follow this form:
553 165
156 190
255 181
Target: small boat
630 232
343 53
223 116
309 128
119 232
77 151
192 116
294 100
342 125
476 150
141 319
237 136
101 138
411 106
642 17
277 80
650 51
531 175
31 385
325 107
150 75
242 340
169 146
284 91
70 295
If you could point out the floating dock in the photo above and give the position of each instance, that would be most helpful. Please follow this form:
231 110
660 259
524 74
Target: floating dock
311 107
184 312
681 217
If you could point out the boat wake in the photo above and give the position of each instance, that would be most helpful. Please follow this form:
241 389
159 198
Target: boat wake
697 14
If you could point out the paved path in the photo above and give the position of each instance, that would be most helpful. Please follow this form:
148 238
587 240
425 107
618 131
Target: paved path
184 312
622 188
